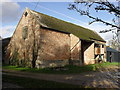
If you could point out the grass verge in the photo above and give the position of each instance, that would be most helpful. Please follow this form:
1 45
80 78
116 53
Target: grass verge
69 69
35 83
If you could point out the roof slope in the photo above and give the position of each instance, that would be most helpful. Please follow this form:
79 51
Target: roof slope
57 24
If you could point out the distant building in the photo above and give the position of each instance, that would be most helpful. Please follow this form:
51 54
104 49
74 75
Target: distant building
112 55
4 43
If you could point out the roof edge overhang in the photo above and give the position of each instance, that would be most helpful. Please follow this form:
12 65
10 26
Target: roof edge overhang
98 40
91 40
86 40
99 43
53 29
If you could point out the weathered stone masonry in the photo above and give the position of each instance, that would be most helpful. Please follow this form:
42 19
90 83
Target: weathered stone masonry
33 44
53 48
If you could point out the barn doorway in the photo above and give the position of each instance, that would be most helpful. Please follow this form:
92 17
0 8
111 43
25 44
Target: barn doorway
84 46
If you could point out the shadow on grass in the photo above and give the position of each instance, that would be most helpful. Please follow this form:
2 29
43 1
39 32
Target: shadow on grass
35 83
68 69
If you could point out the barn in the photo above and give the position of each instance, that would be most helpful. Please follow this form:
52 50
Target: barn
44 41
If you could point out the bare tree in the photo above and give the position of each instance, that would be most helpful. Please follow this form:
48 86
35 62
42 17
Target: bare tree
113 43
100 5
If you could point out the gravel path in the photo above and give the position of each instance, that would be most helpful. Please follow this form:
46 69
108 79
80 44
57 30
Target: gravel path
108 78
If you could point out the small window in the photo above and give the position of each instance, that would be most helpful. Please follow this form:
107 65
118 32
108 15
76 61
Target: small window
24 32
97 45
26 14
102 46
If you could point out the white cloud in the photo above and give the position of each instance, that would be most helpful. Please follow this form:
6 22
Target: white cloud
10 12
7 31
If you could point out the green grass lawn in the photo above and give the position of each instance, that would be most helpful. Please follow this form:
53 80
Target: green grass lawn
35 83
70 69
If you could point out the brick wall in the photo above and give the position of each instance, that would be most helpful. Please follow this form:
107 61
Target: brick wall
75 50
89 54
54 48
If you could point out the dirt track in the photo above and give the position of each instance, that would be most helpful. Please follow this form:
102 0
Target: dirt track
107 78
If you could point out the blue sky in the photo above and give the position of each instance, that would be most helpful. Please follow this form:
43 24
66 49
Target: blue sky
12 12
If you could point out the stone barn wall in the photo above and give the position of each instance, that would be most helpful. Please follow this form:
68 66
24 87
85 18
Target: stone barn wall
35 45
89 55
87 52
20 49
75 50
54 49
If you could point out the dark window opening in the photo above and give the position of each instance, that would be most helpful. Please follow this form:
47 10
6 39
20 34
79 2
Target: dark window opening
24 32
95 56
102 46
26 14
97 45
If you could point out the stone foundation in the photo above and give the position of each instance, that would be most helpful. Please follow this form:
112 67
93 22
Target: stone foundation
51 63
75 62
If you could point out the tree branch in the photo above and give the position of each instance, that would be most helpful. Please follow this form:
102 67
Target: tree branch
96 19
